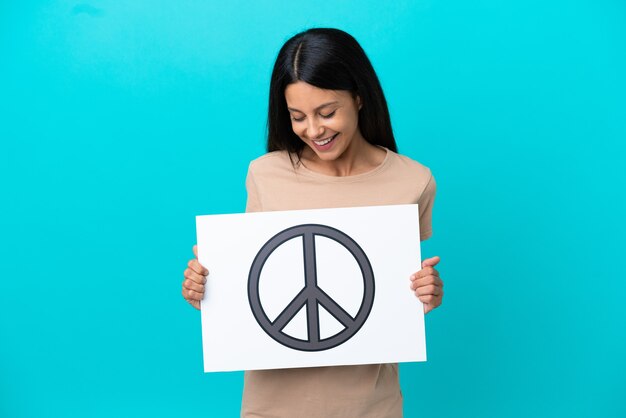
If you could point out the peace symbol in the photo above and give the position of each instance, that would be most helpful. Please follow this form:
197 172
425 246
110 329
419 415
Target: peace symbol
311 295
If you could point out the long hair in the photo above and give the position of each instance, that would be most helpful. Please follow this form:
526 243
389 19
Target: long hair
329 59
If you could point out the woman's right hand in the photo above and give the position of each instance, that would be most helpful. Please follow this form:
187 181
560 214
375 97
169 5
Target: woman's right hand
195 278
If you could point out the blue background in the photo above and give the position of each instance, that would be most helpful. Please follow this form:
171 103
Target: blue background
121 121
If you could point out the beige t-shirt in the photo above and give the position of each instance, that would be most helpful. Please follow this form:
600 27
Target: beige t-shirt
340 391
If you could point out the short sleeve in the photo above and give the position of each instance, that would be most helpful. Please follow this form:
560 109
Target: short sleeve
425 203
253 204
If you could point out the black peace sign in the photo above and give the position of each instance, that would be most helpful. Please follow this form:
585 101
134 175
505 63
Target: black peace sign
311 295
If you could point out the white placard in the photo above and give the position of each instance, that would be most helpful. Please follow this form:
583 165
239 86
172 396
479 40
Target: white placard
308 288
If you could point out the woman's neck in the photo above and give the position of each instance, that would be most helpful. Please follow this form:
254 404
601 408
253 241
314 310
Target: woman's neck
360 157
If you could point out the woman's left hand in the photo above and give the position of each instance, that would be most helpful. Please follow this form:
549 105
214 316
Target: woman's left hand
427 284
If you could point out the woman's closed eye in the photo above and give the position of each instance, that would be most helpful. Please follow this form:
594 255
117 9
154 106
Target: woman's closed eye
328 116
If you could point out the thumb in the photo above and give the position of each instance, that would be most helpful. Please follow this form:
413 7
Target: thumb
195 250
431 262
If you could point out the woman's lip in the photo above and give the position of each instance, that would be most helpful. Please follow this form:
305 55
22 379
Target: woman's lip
327 145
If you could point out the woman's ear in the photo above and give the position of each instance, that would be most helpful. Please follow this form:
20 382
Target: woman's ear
358 102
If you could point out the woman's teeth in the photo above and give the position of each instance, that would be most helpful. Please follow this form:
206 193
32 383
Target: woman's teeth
325 141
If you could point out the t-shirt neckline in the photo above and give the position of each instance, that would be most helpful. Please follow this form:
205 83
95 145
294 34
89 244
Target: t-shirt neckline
355 177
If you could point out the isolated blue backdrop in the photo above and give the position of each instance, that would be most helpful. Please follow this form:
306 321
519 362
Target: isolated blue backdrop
121 121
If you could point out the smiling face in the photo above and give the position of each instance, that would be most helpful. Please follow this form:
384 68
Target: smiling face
326 120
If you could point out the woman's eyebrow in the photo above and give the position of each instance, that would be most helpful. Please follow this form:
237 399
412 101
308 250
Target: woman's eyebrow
317 108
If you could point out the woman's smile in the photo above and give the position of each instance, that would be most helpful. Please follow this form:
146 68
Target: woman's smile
325 144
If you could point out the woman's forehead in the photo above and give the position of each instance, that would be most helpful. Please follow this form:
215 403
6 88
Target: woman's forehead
303 95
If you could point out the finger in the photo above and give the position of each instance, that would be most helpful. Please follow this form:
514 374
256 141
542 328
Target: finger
419 274
192 302
425 281
426 271
192 275
191 285
192 295
195 250
430 306
428 299
431 262
197 267
428 290
434 303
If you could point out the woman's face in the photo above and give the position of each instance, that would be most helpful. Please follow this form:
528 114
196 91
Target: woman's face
326 120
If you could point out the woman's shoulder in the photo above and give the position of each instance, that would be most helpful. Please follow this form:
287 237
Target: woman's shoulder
415 175
270 160
410 167
271 163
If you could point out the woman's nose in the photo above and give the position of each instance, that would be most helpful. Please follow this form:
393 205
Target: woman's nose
314 130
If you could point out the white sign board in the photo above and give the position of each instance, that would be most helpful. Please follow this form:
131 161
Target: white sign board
310 288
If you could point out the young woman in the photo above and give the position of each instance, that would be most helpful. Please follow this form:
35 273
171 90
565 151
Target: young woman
330 144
